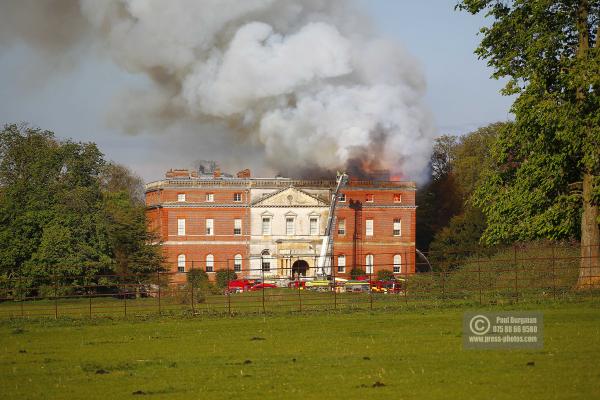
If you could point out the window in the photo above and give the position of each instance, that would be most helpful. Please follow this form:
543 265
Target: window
181 197
210 197
210 263
181 227
369 263
210 227
397 264
265 260
397 227
397 198
341 227
237 263
237 227
342 197
237 197
341 263
289 226
314 226
369 198
266 225
181 263
369 227
266 265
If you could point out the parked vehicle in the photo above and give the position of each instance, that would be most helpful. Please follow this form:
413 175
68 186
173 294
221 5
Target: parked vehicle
392 286
356 286
240 285
318 285
261 286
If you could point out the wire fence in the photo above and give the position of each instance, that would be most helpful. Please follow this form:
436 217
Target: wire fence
510 275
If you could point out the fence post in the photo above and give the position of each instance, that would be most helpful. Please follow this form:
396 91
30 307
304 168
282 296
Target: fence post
124 295
192 289
55 298
443 276
89 292
299 293
516 273
591 271
553 272
404 260
333 268
262 269
21 295
158 283
479 278
370 287
228 291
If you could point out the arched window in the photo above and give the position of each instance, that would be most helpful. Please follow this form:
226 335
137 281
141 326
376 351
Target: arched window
341 266
397 264
237 263
181 263
210 263
369 263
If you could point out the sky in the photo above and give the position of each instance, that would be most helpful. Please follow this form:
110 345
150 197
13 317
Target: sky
75 103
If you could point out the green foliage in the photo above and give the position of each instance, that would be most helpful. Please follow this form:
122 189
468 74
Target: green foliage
58 222
223 276
197 277
356 272
385 275
549 51
457 165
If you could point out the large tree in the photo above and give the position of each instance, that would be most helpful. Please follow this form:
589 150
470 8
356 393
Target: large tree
544 183
65 214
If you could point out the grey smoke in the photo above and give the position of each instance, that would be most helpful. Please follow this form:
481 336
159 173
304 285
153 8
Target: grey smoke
307 82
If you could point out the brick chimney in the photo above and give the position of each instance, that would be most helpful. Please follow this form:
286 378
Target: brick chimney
244 174
177 173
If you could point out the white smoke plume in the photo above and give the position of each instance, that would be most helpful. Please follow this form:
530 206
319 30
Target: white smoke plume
306 80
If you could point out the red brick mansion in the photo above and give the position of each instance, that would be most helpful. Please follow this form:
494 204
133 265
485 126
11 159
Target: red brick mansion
274 226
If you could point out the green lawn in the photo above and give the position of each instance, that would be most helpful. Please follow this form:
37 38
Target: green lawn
415 352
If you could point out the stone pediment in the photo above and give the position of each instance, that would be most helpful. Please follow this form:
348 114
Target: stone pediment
290 197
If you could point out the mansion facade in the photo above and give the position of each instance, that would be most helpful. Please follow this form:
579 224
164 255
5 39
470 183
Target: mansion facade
274 227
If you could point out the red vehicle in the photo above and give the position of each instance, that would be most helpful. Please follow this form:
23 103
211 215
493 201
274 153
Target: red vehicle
261 286
295 284
240 285
394 286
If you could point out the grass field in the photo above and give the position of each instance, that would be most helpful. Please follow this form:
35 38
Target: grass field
411 352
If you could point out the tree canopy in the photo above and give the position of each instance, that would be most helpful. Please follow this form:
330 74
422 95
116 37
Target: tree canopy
447 219
544 179
65 213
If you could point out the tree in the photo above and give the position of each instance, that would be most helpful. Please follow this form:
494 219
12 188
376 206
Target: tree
439 200
132 246
356 272
470 158
58 222
385 275
49 208
545 181
223 277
